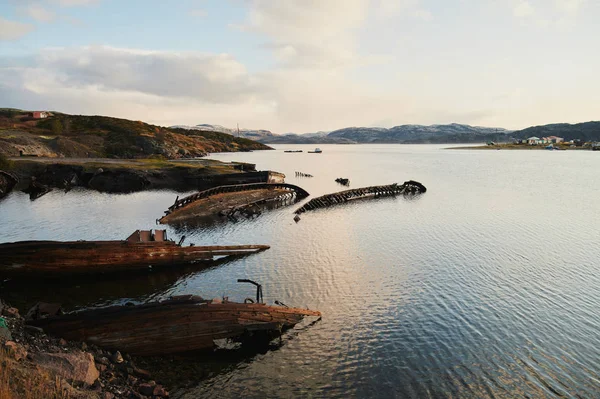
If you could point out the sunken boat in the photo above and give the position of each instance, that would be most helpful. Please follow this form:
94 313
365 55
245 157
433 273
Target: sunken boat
174 326
142 249
408 188
229 202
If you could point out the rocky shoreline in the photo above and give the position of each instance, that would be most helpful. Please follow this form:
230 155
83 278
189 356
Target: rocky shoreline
124 176
36 365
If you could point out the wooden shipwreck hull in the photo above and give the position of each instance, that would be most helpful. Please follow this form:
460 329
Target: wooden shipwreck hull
237 188
141 250
408 188
231 202
178 325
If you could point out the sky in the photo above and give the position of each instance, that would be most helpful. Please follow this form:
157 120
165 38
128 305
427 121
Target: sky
305 65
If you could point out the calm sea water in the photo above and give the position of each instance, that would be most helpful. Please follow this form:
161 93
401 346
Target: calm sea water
485 286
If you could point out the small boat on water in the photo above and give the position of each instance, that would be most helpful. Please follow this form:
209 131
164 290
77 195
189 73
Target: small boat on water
180 324
140 250
316 151
292 151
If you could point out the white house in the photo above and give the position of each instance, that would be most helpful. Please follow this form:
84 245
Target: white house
534 140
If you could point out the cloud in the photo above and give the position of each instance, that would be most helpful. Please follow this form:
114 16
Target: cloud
311 32
170 88
569 7
12 30
555 14
523 9
323 77
422 14
214 78
71 3
198 13
39 13
393 8
173 88
159 87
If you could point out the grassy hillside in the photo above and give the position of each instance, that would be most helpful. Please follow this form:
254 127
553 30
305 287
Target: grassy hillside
102 136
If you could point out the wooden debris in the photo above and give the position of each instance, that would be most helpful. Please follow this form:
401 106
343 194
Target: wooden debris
300 174
407 188
343 181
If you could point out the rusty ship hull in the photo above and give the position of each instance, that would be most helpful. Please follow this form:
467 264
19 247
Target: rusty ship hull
106 256
173 326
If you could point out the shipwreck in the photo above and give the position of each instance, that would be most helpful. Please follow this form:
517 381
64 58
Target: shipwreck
408 188
228 201
177 325
142 249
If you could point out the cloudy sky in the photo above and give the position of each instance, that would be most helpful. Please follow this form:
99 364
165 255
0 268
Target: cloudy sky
305 65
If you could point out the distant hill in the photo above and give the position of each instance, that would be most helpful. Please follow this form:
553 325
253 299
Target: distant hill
251 134
587 131
64 135
452 133
267 137
406 134
307 138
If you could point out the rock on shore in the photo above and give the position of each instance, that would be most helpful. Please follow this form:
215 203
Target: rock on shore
35 364
7 182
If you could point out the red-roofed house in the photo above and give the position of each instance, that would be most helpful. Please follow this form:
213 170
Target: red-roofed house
40 114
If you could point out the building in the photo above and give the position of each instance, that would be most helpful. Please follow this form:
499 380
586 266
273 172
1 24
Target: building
40 114
534 140
556 140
